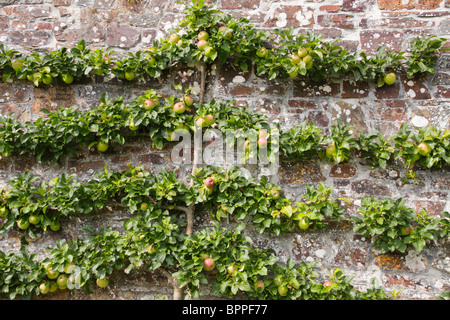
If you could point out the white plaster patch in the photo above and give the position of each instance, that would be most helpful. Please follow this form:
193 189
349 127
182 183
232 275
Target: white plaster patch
238 79
419 121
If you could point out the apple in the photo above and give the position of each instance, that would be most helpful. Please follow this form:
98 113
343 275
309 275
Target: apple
303 224
307 58
69 267
424 148
149 104
179 107
200 122
144 206
209 52
129 75
278 280
52 286
259 286
330 151
23 224
275 193
67 78
209 119
302 52
389 78
44 288
223 30
202 44
327 283
247 145
133 127
209 190
203 35
282 290
151 61
3 211
262 143
262 52
174 38
293 74
188 101
263 133
231 269
208 264
102 283
55 225
48 79
295 58
102 146
208 182
62 281
294 283
33 219
52 274
405 231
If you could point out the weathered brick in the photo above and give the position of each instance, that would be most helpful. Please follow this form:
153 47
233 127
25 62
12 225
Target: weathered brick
302 90
53 98
357 5
352 89
428 4
300 172
299 106
342 21
415 89
371 40
30 38
370 188
398 23
343 170
388 92
396 4
122 35
290 16
236 4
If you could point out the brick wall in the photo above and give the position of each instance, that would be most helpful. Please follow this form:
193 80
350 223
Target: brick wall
362 25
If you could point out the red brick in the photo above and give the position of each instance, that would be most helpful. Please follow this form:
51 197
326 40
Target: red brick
428 4
353 89
415 89
343 170
323 90
30 37
237 4
442 92
266 105
388 92
356 5
36 11
392 114
396 4
296 16
330 8
399 23
371 40
319 118
299 106
342 21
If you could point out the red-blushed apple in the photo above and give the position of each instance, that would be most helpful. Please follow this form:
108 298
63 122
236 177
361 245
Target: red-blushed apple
209 264
259 286
174 38
179 107
200 122
209 119
262 143
149 104
208 182
188 101
275 193
327 283
202 44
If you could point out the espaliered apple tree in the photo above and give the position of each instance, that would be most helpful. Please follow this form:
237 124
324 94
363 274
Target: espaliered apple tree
160 233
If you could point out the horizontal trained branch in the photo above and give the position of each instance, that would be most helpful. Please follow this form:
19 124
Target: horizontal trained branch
210 36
